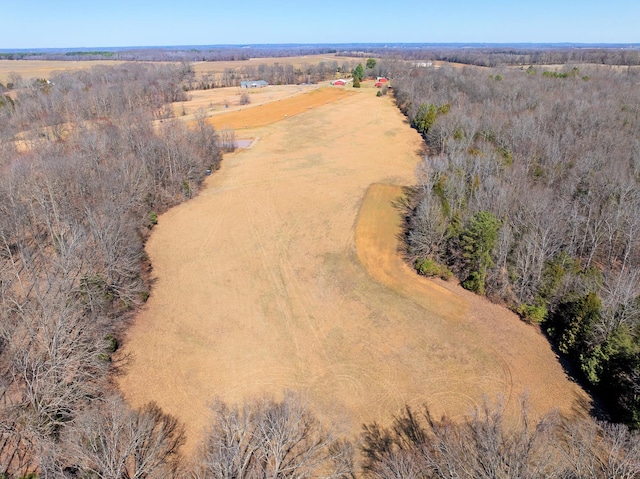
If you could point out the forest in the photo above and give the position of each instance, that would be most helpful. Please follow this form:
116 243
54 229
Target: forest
89 159
529 194
84 174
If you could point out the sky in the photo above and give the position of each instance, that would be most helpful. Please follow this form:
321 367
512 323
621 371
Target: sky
118 23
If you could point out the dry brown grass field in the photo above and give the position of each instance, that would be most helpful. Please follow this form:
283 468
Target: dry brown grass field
292 103
44 68
227 100
284 273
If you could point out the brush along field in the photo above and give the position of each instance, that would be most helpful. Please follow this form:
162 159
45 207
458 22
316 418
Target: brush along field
284 274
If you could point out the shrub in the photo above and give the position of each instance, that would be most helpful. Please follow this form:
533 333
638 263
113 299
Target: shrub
475 282
532 313
112 343
430 268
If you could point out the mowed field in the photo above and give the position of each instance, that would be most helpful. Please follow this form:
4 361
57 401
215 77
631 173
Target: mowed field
284 273
223 110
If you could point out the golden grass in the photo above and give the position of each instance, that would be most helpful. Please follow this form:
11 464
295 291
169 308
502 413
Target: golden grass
30 69
257 114
284 274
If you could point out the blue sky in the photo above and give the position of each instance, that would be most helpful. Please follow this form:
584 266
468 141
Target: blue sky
87 23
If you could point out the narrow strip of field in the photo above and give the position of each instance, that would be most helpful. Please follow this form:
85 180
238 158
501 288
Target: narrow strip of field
283 274
262 113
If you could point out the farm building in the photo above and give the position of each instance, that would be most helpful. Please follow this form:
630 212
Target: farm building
339 82
253 84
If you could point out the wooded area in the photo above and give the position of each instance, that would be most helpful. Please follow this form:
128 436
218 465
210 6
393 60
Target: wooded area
518 55
529 194
278 73
84 174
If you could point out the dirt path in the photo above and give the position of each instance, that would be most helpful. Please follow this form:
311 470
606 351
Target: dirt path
260 287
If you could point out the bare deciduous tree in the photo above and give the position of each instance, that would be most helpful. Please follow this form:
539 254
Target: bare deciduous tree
487 445
111 441
271 439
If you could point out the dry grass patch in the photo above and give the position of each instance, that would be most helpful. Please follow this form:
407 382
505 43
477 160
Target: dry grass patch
226 100
257 113
30 69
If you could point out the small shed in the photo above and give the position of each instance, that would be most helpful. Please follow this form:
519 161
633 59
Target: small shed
339 82
254 84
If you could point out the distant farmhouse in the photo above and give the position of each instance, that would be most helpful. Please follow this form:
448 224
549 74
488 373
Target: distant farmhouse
381 81
253 84
422 64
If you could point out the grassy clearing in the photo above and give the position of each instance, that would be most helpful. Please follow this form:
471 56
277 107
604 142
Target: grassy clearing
284 273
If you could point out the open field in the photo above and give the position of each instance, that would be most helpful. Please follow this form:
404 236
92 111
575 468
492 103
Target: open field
227 100
222 106
261 114
44 68
284 274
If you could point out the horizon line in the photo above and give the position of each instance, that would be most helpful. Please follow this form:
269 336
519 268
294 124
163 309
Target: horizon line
530 44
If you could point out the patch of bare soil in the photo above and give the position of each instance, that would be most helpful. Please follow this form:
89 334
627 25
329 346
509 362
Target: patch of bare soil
283 274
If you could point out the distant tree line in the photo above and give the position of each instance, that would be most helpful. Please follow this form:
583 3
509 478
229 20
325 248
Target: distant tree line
559 56
274 74
480 55
530 194
495 56
173 54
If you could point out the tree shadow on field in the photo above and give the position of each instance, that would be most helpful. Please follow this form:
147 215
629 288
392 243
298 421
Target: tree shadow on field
404 205
595 407
423 151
